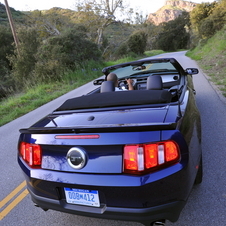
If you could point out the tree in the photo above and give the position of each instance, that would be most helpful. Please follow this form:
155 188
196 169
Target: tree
174 34
208 18
218 17
199 14
48 23
101 12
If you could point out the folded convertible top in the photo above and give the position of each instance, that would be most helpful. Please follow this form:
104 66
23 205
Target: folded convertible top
119 98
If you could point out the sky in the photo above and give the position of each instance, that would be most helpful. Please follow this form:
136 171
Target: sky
146 6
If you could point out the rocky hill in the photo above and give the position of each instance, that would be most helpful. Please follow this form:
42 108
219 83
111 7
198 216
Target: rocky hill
170 11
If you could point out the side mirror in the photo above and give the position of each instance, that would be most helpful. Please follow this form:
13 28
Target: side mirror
192 71
98 82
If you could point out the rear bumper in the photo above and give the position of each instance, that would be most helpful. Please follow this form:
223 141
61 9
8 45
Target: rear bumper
170 211
160 195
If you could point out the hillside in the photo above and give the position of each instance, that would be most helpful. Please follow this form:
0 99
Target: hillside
17 15
211 56
170 11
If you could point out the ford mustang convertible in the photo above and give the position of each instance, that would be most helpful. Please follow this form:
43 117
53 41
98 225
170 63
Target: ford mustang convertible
131 155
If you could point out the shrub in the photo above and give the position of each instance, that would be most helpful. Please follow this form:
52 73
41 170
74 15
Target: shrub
137 42
62 53
6 46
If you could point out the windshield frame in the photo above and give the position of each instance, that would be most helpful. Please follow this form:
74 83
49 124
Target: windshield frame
144 67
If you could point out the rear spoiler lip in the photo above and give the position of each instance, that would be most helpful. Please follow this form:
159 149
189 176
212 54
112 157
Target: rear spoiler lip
101 128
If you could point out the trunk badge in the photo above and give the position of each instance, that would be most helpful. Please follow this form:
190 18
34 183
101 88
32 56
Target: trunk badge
76 158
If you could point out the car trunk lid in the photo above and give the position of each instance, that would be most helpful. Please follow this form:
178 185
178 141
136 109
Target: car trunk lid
101 135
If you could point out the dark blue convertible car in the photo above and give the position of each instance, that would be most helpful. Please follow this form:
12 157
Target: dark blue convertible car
131 155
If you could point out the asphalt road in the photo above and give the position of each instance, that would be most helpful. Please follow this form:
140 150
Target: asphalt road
206 205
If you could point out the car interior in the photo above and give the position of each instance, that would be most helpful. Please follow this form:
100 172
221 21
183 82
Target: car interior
106 96
170 81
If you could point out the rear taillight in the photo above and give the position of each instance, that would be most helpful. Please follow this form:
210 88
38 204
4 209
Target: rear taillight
31 153
141 158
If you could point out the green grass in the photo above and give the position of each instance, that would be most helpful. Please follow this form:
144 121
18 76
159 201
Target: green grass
20 104
36 96
211 56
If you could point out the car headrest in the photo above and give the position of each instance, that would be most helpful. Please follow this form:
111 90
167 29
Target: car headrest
154 82
107 86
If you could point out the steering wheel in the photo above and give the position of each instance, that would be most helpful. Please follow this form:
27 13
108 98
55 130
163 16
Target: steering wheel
123 83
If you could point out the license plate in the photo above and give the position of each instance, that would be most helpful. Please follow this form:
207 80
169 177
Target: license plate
82 197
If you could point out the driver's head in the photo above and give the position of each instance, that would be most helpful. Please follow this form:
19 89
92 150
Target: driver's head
113 77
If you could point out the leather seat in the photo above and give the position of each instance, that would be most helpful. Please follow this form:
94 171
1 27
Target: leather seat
107 86
154 82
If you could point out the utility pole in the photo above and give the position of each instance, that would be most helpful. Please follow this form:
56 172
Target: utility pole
12 25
